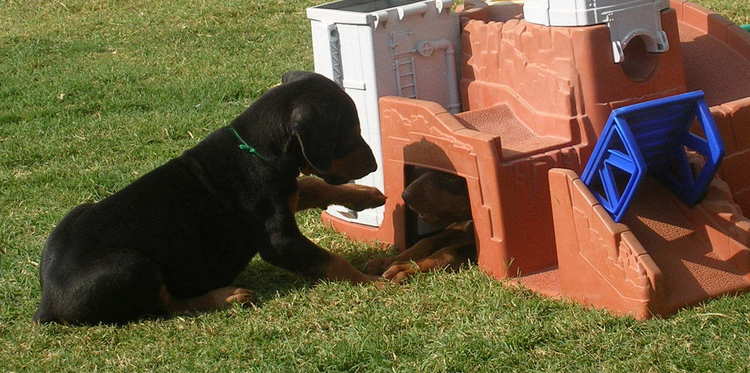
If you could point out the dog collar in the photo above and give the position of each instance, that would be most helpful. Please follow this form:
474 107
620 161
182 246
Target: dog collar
244 146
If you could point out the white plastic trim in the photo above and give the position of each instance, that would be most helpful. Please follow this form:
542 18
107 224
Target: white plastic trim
626 24
381 17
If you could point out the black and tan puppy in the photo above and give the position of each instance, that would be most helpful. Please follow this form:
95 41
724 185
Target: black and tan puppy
442 200
175 239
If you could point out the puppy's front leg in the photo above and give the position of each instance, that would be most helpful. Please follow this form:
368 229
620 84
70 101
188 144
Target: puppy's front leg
291 250
422 249
457 233
451 257
316 193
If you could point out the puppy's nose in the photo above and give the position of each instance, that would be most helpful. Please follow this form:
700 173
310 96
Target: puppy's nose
405 196
372 165
366 157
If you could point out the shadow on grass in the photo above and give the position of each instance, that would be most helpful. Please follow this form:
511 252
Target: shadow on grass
269 281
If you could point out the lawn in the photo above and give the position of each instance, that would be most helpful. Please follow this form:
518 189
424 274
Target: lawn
95 93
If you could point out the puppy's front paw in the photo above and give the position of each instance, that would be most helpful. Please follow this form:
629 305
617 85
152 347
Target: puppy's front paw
377 266
400 271
362 197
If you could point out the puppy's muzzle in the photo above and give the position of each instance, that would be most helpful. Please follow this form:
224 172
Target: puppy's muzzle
355 165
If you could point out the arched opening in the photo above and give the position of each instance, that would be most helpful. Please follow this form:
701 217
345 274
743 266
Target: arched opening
638 64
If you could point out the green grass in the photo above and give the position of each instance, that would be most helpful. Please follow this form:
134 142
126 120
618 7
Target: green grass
736 10
95 93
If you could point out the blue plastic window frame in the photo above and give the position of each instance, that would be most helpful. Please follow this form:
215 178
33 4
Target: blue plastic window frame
688 187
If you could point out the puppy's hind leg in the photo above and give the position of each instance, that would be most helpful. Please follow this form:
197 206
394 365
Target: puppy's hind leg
118 287
113 287
216 299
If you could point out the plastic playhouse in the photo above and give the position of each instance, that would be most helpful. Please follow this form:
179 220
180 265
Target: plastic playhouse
605 145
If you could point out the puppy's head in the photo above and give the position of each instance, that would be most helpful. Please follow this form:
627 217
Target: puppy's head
324 124
438 198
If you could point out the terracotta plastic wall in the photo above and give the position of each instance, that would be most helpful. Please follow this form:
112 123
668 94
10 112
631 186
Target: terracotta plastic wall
725 76
550 78
664 256
601 262
550 72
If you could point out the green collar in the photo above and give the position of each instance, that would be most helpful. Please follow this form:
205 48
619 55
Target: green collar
244 146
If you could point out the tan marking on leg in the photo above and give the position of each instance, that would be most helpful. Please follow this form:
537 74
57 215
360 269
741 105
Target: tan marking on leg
449 257
217 299
377 266
338 269
359 197
313 193
422 249
316 193
294 202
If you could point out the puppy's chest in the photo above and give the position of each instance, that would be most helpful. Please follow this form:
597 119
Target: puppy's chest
216 241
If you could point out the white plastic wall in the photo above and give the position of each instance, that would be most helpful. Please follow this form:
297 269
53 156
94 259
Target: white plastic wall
580 12
370 48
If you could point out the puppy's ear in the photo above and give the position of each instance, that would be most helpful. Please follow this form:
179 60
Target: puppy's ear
316 142
291 76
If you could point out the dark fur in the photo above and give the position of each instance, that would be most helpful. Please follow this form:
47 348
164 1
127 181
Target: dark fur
189 227
442 200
